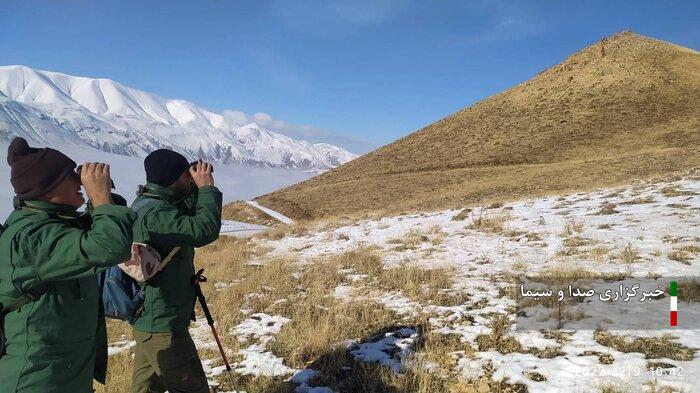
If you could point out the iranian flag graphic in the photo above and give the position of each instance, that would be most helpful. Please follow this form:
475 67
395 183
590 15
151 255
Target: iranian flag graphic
673 291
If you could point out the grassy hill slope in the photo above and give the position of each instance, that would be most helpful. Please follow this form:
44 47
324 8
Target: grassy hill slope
623 108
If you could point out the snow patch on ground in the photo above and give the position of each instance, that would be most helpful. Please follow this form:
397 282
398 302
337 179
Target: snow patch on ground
649 218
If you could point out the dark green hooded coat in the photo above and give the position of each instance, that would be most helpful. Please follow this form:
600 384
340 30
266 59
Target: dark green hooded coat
58 342
167 221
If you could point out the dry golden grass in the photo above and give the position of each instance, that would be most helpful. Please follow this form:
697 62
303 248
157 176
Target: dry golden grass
320 323
568 273
592 121
118 373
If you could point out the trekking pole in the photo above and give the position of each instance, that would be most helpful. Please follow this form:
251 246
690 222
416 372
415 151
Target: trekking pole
203 302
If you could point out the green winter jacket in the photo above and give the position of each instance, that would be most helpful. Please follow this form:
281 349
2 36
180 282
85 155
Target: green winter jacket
168 221
58 342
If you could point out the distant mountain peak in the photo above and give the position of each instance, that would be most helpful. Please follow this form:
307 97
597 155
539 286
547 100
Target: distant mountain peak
48 107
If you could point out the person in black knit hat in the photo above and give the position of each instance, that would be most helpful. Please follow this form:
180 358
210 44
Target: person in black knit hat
178 209
36 171
164 167
49 296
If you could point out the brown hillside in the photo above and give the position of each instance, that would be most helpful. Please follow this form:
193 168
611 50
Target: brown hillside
626 107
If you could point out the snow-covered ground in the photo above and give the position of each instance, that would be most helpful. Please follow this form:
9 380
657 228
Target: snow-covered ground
240 229
632 230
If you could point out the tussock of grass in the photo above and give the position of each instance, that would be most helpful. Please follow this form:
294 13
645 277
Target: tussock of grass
651 347
684 254
671 192
679 256
462 215
299 228
638 201
499 339
410 241
598 253
613 388
607 208
603 358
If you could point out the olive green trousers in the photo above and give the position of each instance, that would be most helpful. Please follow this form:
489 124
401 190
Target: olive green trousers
167 362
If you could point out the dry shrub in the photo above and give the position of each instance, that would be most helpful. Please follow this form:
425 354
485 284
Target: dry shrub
499 339
488 223
628 254
572 226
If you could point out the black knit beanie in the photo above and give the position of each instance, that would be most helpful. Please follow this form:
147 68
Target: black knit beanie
36 171
164 167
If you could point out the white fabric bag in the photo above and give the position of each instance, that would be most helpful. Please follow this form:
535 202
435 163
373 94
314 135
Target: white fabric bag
145 261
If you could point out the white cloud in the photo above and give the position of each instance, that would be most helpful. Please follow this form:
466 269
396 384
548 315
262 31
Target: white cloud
504 21
305 132
335 16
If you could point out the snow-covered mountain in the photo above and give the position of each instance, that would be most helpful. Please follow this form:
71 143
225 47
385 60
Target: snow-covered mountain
51 108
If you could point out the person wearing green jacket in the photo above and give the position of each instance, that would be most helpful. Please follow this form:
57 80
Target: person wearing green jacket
178 207
56 341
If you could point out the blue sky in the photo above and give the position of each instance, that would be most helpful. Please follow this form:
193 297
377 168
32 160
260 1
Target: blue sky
357 73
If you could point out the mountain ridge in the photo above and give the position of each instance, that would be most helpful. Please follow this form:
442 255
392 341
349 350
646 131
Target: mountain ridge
51 107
